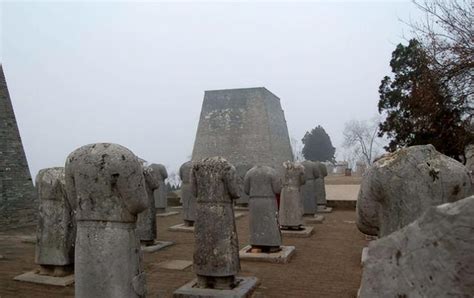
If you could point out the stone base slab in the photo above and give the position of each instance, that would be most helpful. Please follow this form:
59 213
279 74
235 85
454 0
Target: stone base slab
181 228
238 215
317 219
241 208
281 257
306 232
28 239
323 209
245 288
177 207
364 256
157 246
165 214
34 277
175 264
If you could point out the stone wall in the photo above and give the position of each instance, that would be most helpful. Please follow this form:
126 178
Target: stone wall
246 126
18 204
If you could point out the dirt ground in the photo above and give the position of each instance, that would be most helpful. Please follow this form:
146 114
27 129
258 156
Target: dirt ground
325 265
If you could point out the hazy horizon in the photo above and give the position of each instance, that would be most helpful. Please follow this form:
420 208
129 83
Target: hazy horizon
135 73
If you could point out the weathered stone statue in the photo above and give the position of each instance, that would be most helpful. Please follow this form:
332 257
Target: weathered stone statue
146 220
160 194
320 186
308 190
431 257
241 171
400 186
262 184
56 230
189 200
216 252
105 184
291 204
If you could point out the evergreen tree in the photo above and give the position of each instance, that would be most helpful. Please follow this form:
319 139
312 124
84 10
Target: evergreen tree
317 145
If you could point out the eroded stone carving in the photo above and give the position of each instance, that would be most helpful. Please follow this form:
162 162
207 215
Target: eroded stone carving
146 220
308 190
106 187
262 184
160 194
400 186
56 230
320 186
431 257
291 205
187 197
216 252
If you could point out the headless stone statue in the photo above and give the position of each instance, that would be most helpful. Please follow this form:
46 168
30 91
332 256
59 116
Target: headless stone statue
262 184
216 250
146 220
400 186
308 190
319 184
241 171
56 230
291 204
187 197
160 194
105 184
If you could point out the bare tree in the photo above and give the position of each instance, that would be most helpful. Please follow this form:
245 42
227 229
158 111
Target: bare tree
447 34
297 148
360 140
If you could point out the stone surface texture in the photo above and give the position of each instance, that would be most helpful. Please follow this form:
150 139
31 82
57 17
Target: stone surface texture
242 169
431 257
245 126
56 229
187 197
146 220
400 186
216 250
161 194
291 200
106 186
18 201
320 185
469 153
262 184
308 190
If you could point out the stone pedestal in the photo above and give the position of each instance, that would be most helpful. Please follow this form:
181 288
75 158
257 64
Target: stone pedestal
158 245
316 219
282 257
323 209
181 228
244 288
303 233
35 277
175 264
167 213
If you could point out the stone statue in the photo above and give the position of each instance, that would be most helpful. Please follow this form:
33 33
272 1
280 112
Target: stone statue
56 230
400 186
106 187
262 184
146 220
187 197
291 205
469 153
241 171
320 186
161 194
216 250
431 257
308 190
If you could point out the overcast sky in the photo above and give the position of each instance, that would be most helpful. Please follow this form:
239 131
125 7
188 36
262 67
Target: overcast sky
135 73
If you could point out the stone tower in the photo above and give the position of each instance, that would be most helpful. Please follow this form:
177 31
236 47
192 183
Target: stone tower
245 126
18 205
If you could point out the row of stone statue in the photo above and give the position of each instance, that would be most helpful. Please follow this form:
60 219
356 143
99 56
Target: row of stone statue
417 202
99 208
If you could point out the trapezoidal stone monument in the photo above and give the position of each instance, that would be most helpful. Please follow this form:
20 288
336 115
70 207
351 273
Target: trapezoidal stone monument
18 203
245 126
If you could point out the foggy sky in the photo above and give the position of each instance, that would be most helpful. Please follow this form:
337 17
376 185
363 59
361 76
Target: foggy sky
135 73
